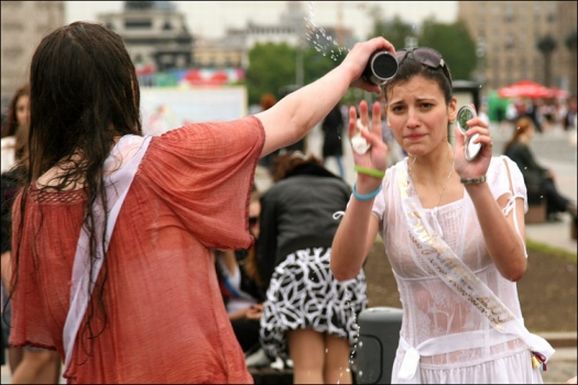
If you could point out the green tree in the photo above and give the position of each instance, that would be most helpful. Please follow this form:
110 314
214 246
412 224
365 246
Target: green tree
317 65
272 68
455 44
546 45
394 30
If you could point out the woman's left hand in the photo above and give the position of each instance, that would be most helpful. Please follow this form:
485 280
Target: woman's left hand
479 165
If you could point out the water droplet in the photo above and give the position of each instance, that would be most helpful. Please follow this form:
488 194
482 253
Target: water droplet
326 350
360 373
360 344
318 36
541 196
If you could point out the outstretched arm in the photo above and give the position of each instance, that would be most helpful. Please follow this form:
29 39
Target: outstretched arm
294 115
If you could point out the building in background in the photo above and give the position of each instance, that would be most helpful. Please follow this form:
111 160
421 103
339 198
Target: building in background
508 33
24 24
155 34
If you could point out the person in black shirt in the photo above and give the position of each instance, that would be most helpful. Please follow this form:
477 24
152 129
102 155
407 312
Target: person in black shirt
539 180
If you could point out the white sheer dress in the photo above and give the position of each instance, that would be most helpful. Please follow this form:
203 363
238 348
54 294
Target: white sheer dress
452 341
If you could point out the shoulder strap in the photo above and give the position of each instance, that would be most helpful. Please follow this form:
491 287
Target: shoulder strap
511 204
129 151
509 176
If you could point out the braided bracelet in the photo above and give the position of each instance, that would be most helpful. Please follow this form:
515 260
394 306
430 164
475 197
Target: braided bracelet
369 171
478 180
368 196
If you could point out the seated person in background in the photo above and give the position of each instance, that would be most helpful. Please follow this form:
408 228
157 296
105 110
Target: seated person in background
538 179
241 284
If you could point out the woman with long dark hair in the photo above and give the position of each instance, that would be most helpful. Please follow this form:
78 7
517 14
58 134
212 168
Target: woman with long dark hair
113 231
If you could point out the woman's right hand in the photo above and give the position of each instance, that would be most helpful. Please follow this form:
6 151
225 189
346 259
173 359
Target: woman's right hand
376 156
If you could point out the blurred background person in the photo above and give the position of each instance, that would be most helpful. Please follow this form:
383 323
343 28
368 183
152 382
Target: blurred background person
18 119
308 315
332 127
242 286
569 118
539 180
28 365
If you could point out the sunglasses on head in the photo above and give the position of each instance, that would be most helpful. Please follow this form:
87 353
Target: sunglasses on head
428 57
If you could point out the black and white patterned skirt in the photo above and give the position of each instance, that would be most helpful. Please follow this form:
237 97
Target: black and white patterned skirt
304 294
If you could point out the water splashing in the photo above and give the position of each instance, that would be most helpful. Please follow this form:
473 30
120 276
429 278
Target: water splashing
356 342
320 39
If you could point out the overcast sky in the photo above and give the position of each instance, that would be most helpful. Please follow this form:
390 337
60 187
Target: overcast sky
211 18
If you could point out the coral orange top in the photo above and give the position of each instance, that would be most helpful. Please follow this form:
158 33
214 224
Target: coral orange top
166 321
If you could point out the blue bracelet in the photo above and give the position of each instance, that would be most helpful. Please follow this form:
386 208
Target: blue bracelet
368 196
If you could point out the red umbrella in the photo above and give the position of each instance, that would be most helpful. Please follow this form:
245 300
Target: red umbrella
219 77
525 89
194 76
558 93
145 70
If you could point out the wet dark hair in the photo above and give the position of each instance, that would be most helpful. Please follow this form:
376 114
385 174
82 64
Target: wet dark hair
83 92
410 67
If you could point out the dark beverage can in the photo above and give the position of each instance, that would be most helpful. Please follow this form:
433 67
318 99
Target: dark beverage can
380 67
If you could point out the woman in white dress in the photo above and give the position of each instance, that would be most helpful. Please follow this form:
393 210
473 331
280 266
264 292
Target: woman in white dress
453 231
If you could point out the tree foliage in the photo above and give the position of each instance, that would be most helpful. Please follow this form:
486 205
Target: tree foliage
394 30
570 41
455 44
272 68
452 40
546 45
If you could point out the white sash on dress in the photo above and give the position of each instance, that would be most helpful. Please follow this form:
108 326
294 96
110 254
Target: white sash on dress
432 253
120 167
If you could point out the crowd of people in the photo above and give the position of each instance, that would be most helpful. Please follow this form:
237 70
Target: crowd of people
121 250
545 114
